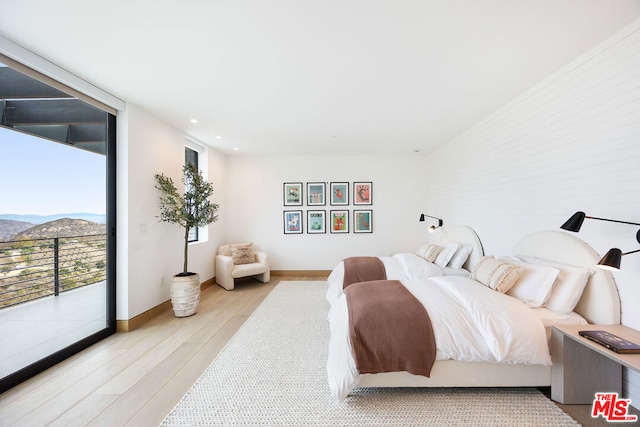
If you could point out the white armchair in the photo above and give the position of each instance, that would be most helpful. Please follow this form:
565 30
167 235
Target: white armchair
248 262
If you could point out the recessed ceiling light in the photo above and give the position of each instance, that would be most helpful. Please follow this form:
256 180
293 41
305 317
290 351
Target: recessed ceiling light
194 121
218 137
236 149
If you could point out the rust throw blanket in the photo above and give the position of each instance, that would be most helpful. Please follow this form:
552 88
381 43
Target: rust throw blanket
362 269
390 330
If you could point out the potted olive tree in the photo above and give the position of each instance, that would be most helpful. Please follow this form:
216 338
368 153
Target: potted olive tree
189 209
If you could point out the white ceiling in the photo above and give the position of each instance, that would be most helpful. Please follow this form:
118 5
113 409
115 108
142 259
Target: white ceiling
315 77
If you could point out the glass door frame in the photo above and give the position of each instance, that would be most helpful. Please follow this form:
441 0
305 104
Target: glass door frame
56 357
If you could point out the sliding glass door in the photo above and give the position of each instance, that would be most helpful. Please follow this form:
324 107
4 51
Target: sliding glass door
57 225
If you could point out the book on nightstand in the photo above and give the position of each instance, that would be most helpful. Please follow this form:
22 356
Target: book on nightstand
611 341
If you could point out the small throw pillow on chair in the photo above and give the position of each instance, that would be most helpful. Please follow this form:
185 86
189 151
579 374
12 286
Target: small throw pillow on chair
243 254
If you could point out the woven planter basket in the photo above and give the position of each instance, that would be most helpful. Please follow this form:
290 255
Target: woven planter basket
185 294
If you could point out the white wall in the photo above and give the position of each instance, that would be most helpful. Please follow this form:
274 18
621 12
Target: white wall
570 143
150 252
255 206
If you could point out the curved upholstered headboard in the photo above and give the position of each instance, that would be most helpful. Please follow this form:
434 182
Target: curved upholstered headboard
600 302
464 234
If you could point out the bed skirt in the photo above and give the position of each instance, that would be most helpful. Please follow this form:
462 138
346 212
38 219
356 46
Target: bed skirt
451 373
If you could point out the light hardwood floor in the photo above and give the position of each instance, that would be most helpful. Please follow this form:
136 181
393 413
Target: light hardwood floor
136 378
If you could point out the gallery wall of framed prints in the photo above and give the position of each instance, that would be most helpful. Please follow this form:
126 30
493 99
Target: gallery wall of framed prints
340 194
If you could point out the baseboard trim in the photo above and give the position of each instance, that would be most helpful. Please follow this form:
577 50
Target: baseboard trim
306 273
137 321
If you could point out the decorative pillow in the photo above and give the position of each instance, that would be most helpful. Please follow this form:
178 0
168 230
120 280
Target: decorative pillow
496 274
569 284
461 255
445 255
423 249
534 285
243 253
431 252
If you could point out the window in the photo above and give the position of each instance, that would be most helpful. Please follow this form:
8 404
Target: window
191 157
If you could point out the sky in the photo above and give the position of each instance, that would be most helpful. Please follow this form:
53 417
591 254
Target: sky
41 177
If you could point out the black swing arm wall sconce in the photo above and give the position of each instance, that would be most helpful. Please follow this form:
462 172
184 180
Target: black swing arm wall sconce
612 259
433 227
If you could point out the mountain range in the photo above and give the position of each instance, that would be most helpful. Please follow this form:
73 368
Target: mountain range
16 230
41 219
9 227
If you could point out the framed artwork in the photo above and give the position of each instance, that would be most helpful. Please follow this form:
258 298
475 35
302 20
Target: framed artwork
362 193
292 192
316 222
362 221
339 221
339 193
315 193
292 222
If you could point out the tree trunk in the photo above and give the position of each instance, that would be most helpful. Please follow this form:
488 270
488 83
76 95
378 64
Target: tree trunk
186 249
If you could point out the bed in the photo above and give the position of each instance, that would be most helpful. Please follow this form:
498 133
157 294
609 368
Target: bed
598 303
460 250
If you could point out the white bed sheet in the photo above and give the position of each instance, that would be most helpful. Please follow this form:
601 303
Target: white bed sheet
551 318
402 266
470 321
461 272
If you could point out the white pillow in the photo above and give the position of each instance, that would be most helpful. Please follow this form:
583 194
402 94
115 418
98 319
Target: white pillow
496 274
414 267
534 285
569 284
446 253
461 255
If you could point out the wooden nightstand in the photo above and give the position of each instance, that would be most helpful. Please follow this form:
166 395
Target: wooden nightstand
582 367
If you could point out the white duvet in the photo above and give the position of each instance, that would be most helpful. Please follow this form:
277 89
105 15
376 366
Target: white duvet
401 266
470 321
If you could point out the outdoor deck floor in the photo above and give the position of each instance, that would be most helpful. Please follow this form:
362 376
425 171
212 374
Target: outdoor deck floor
33 330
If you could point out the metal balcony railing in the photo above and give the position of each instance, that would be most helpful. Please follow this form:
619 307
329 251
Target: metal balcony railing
37 268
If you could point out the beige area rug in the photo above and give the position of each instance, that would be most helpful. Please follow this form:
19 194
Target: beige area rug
273 373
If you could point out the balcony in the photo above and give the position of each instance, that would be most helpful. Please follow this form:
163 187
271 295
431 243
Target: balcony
33 330
52 294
